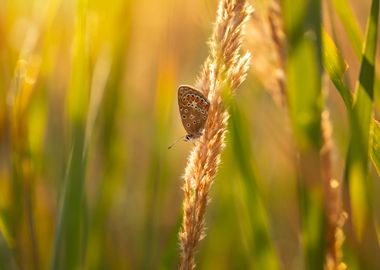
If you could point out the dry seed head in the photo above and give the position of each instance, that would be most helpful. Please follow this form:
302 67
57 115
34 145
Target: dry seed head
267 40
224 66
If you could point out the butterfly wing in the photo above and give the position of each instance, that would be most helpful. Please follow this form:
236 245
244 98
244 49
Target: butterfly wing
193 109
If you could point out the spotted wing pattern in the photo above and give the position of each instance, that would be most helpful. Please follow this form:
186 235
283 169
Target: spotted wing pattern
193 109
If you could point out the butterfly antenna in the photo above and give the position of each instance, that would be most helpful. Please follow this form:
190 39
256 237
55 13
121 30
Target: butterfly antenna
176 142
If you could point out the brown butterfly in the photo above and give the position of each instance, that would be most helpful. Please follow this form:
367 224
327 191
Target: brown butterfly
193 109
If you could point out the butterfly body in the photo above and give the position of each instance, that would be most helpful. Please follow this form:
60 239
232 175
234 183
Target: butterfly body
193 109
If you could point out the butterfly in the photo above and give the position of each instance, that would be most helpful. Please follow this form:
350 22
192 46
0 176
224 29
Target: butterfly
193 110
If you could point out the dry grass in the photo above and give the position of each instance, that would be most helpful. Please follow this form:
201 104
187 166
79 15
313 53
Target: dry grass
269 37
86 113
336 217
267 40
225 67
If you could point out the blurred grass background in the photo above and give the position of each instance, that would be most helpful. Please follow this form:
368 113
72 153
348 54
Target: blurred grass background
88 107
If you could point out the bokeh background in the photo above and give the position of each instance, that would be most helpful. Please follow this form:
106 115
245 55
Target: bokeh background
88 93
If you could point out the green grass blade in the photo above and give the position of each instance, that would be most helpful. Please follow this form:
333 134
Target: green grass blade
375 156
158 167
264 253
357 160
304 68
351 25
304 72
6 256
346 15
375 149
68 246
336 66
169 258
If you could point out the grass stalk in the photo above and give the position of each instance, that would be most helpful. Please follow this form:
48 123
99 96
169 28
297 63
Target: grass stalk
69 235
333 201
266 37
20 96
261 242
357 165
302 21
278 39
224 68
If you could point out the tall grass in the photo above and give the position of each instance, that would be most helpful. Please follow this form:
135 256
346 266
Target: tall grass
224 69
70 231
88 106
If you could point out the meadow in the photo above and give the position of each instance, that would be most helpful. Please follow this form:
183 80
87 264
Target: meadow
283 175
